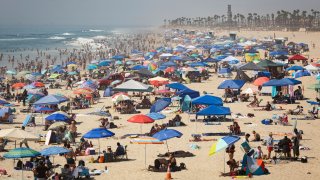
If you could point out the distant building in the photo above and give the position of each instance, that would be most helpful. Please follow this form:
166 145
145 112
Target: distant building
229 16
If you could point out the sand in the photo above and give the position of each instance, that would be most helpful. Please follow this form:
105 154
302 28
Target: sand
201 166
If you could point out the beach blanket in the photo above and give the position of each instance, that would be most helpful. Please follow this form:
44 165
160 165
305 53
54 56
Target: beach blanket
212 123
202 139
304 118
221 134
132 135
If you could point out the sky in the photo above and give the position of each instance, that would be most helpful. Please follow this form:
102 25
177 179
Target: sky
131 12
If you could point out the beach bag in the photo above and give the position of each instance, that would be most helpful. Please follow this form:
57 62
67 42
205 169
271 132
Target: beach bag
304 159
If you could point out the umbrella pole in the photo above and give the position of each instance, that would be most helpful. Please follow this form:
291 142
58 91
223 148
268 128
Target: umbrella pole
145 155
22 169
167 145
99 146
224 162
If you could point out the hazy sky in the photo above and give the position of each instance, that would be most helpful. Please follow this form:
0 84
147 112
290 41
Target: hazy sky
131 12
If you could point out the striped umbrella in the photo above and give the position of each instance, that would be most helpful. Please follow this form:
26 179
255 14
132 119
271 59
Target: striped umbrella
145 140
120 97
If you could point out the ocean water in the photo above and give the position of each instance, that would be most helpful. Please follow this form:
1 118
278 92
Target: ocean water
21 38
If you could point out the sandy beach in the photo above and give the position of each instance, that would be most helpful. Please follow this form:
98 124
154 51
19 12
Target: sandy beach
201 166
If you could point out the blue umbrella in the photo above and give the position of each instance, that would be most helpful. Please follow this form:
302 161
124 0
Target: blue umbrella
51 99
177 86
160 105
104 63
138 67
98 133
118 57
156 116
92 67
72 73
57 117
301 73
232 84
54 150
295 68
282 82
214 110
166 134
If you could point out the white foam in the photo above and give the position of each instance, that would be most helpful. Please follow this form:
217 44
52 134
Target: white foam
100 37
67 34
81 41
95 30
56 38
18 39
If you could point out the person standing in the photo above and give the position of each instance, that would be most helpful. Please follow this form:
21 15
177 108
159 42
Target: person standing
270 145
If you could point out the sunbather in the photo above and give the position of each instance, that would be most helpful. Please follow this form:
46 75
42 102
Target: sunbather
254 102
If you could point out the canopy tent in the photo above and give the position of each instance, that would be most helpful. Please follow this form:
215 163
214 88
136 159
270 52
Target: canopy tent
190 92
232 84
282 82
208 100
133 85
145 73
50 100
294 68
250 66
268 63
160 105
177 86
214 110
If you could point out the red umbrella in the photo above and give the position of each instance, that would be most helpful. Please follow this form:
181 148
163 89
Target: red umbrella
315 64
169 70
259 81
141 118
38 84
297 57
18 85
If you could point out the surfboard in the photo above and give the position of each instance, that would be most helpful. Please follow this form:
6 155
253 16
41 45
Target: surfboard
48 138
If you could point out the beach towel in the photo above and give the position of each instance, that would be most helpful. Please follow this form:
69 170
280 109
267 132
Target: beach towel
221 134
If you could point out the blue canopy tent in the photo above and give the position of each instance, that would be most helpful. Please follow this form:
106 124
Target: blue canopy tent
98 133
160 105
50 100
232 84
282 82
214 110
208 100
190 92
177 86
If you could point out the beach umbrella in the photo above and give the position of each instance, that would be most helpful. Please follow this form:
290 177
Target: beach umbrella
166 134
158 81
57 125
177 86
98 133
57 117
140 119
294 68
51 99
70 66
164 91
89 84
120 97
282 82
23 73
54 76
297 57
118 62
3 102
222 144
160 105
80 91
145 140
138 67
301 73
37 84
104 63
118 57
72 73
232 84
18 85
54 150
92 67
30 77
119 93
261 80
156 116
17 134
11 72
21 153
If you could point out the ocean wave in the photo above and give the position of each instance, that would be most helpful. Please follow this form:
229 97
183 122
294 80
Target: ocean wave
56 38
18 39
81 41
100 37
96 30
67 34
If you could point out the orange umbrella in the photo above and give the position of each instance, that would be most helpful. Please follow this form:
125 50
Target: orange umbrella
158 81
18 85
38 84
260 81
169 70
82 91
